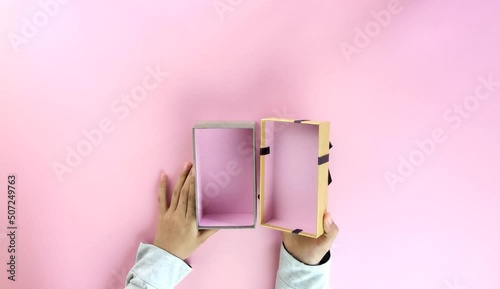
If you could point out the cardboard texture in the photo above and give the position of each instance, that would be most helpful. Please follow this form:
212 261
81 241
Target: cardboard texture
294 175
225 186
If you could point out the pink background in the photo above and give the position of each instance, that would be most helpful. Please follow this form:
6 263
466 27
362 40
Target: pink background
439 229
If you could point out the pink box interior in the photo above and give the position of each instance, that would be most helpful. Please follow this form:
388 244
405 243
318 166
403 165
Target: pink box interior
225 177
291 176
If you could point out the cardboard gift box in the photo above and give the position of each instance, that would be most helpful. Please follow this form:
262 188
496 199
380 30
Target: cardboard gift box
294 175
224 163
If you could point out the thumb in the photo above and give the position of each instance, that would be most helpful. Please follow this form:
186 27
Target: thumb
331 229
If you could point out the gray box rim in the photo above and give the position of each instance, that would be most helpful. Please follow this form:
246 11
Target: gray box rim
223 125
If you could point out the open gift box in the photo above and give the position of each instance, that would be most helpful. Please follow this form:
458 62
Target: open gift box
294 175
225 186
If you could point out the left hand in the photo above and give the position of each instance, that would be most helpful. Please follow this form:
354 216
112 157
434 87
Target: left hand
177 232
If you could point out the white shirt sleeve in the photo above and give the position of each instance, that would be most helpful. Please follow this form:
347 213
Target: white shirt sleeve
293 274
155 268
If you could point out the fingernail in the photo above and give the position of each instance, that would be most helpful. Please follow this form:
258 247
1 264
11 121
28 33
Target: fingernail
186 165
163 177
329 221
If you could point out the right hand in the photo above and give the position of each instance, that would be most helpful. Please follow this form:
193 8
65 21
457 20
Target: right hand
310 251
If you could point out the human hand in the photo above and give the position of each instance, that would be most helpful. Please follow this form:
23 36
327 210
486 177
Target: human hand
177 232
308 250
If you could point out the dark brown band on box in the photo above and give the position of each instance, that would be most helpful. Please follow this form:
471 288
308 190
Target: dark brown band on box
300 120
323 159
296 231
329 175
265 151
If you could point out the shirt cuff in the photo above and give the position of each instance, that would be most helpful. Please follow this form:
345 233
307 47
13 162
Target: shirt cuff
157 268
295 274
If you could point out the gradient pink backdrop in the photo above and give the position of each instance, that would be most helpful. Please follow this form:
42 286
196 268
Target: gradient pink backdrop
440 229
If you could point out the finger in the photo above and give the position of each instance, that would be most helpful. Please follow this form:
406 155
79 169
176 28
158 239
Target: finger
183 197
331 229
162 194
191 205
205 234
178 186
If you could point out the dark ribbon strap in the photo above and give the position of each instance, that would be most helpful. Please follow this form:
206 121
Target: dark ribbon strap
323 159
329 175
